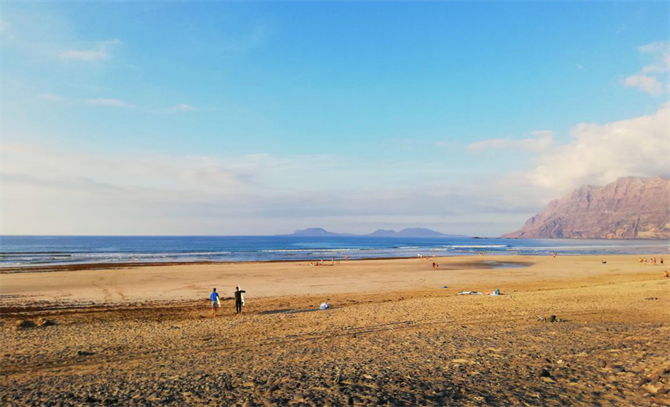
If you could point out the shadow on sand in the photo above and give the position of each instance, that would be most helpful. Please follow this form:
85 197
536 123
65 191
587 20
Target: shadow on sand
287 311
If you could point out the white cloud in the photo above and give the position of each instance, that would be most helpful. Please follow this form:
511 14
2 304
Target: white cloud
655 47
644 83
183 107
650 78
108 103
599 154
50 190
100 52
541 140
90 55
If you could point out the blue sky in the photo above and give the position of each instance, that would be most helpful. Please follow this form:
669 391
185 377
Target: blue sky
271 116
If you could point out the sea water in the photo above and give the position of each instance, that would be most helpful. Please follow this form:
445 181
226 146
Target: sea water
17 251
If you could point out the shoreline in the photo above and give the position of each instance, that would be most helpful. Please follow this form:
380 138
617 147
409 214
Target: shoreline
125 265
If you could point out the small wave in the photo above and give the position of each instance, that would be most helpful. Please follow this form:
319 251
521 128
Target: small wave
483 246
307 250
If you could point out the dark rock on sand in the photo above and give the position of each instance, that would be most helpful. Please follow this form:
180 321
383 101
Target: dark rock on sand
23 324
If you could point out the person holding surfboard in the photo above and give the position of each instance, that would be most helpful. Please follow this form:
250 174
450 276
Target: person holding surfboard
216 301
239 299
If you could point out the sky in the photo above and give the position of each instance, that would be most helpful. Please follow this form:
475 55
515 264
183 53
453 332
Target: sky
253 118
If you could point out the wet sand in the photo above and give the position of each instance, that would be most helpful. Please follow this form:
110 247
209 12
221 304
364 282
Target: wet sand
142 336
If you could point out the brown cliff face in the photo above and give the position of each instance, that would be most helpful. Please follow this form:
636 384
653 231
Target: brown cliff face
630 208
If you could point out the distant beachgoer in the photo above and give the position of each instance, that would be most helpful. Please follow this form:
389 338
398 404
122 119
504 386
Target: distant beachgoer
346 257
216 302
553 255
238 299
437 266
641 260
661 260
665 274
420 256
433 264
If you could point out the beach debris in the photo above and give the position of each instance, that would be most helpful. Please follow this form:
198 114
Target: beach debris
444 286
492 293
324 306
603 262
551 319
84 353
23 324
44 322
662 371
652 388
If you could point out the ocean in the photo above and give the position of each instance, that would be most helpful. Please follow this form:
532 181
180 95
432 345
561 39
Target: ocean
21 251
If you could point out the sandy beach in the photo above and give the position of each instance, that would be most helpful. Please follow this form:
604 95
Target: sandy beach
394 336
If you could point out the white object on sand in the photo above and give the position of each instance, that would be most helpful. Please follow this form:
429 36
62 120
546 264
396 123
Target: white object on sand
324 306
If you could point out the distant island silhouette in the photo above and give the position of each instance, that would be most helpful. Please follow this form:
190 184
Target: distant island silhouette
407 232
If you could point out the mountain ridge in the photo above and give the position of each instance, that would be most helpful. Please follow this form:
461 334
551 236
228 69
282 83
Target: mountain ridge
629 208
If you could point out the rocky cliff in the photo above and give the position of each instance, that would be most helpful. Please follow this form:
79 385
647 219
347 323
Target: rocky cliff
630 208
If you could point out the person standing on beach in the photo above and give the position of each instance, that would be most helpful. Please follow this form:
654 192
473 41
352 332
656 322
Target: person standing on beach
238 299
216 302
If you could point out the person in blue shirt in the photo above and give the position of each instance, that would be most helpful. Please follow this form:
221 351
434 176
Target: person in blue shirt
216 303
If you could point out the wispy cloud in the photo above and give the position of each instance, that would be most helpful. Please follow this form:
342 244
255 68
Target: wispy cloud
49 97
255 38
650 78
144 193
90 55
541 140
182 107
4 27
99 52
446 143
109 103
645 83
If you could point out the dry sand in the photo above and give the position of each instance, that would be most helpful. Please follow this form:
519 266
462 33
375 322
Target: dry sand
142 335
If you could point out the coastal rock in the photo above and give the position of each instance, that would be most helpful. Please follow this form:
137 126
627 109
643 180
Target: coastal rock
630 208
